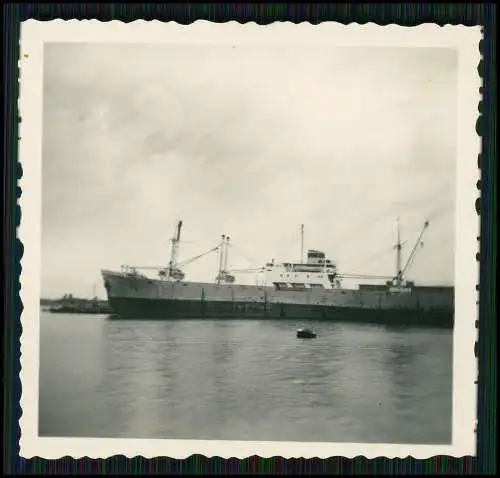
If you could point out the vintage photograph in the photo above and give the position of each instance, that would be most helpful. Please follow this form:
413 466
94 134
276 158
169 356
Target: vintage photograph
254 241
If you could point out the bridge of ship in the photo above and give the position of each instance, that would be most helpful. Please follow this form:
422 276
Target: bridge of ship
317 273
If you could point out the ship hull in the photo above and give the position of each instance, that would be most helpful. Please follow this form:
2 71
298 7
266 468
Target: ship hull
165 309
142 298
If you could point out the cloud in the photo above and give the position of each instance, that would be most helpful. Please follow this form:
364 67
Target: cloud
250 141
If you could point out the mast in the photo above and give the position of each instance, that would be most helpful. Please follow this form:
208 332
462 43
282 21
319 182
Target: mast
175 248
414 250
401 271
302 243
221 257
226 249
398 256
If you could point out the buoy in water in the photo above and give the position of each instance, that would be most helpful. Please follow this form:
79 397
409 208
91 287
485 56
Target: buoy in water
305 334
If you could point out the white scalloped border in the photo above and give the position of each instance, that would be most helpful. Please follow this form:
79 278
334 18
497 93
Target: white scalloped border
33 36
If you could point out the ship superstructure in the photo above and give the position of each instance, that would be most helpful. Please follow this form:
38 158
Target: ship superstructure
310 288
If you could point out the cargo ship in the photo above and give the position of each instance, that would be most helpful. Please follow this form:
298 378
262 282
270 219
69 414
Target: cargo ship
307 289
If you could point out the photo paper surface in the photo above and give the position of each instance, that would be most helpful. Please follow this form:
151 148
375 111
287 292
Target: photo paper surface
248 240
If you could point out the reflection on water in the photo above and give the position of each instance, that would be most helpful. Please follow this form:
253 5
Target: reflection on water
244 380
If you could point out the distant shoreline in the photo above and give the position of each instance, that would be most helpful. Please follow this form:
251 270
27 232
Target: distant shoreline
75 305
76 300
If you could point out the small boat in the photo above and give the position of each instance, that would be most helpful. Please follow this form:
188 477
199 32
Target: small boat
305 334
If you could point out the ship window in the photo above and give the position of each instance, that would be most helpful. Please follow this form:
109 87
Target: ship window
316 255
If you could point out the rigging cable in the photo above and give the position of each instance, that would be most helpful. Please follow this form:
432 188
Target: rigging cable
383 213
245 256
180 264
195 258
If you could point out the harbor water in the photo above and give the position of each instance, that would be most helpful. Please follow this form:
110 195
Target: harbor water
244 380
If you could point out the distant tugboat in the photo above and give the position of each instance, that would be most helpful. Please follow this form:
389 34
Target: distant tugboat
305 334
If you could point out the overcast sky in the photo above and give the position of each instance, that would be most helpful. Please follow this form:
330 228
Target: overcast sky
250 141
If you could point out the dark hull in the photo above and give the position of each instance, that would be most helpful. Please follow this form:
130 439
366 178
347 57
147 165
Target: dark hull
186 309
